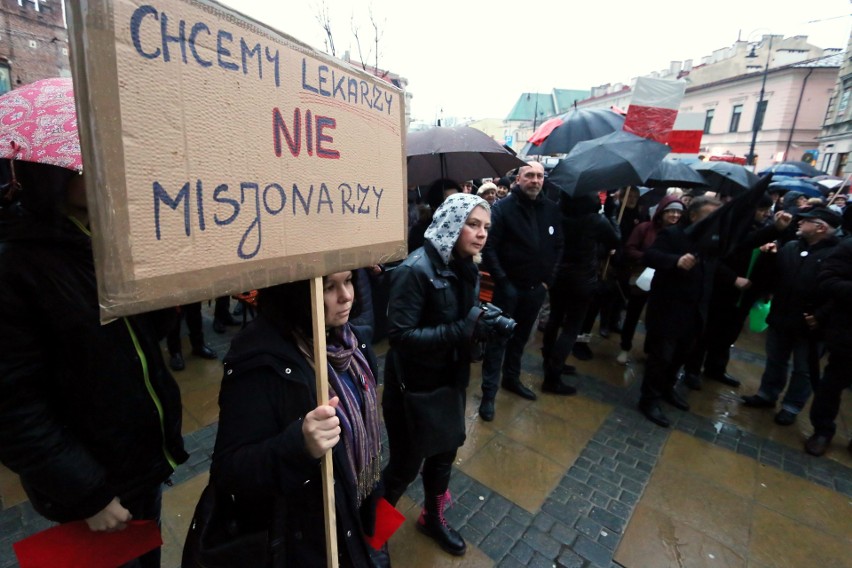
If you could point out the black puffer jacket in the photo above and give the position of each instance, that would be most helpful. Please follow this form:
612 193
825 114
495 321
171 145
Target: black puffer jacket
426 317
525 242
87 412
835 294
793 274
586 232
260 457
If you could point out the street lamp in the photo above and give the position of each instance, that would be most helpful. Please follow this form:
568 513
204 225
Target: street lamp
760 111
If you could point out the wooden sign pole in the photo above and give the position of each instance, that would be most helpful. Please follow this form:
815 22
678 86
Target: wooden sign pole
839 190
321 368
620 215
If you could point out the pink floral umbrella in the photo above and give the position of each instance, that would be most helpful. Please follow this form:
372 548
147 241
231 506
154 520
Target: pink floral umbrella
38 123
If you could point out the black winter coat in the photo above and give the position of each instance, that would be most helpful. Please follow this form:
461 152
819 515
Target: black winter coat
679 299
525 241
260 457
585 236
794 270
835 294
87 412
427 308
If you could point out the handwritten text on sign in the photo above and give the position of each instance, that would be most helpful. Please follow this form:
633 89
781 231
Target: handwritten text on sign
269 140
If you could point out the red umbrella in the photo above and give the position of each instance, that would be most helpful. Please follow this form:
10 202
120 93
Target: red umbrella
38 123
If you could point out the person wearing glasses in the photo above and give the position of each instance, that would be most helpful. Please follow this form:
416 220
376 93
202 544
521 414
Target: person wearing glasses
793 330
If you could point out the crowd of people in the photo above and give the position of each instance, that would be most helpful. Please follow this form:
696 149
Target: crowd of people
90 417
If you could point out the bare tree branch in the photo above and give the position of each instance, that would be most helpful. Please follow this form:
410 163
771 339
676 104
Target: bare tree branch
377 36
324 18
355 34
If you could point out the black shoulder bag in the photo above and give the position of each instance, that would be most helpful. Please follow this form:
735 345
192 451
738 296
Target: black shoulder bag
219 538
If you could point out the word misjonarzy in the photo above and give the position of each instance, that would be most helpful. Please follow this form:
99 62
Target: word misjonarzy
263 199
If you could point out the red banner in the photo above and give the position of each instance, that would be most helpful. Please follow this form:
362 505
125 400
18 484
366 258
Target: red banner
685 141
650 122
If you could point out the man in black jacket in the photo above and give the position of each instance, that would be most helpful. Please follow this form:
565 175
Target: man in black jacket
90 418
833 317
791 318
523 248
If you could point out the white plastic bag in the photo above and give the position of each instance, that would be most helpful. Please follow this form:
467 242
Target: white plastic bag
644 280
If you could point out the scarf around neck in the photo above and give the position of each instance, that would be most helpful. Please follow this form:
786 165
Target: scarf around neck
358 408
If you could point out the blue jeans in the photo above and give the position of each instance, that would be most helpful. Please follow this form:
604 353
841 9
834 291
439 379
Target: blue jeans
522 305
779 347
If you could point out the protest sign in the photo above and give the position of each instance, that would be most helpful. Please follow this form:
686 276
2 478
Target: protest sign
223 156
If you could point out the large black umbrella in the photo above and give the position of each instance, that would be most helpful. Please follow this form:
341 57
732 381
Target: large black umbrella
576 126
669 173
792 168
608 162
459 153
726 178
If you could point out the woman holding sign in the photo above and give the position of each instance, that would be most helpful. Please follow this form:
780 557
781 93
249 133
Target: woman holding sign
428 366
272 433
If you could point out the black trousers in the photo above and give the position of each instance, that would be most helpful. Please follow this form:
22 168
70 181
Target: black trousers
522 305
666 354
568 305
635 304
826 403
192 314
404 462
712 349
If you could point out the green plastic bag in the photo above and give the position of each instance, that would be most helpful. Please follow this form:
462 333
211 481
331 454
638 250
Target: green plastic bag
757 316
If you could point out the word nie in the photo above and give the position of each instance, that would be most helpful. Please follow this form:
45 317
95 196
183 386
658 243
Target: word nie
294 138
271 198
246 53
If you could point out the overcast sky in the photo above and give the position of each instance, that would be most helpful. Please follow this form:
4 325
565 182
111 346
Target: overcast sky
473 58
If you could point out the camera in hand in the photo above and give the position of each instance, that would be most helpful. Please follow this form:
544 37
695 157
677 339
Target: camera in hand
487 320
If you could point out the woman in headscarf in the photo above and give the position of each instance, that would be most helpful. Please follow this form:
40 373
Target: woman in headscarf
273 433
430 339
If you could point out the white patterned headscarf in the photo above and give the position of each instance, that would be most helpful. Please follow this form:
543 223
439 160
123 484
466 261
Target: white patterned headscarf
448 221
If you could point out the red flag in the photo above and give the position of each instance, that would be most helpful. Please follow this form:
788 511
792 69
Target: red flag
72 545
388 520
653 108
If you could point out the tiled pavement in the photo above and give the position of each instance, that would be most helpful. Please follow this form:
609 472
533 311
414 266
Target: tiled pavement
585 481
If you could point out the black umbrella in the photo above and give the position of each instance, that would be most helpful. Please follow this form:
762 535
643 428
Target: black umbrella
726 178
608 162
459 153
577 126
675 174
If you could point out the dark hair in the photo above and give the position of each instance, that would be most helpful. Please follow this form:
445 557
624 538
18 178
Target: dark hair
289 305
43 188
435 194
578 206
764 202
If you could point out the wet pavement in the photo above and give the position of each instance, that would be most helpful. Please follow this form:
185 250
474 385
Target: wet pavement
583 481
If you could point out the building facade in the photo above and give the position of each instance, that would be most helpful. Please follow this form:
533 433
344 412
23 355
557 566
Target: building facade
835 140
33 42
789 113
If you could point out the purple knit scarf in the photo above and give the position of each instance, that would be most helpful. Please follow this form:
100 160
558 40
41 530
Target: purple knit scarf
359 415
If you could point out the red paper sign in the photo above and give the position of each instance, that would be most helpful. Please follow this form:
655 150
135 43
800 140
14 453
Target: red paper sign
388 520
72 545
685 141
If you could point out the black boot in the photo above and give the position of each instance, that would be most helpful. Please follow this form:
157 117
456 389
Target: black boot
433 524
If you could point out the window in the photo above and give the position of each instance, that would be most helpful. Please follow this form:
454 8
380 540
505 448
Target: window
735 118
844 102
759 114
5 78
708 118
